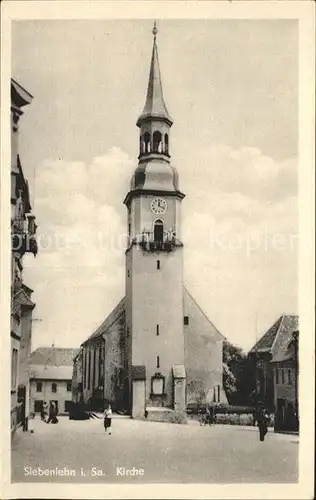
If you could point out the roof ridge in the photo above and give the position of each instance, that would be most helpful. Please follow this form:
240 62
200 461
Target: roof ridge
265 333
55 348
277 333
280 351
105 320
204 314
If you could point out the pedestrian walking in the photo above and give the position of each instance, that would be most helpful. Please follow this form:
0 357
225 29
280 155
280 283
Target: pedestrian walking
208 417
44 412
50 412
262 419
108 418
54 413
31 422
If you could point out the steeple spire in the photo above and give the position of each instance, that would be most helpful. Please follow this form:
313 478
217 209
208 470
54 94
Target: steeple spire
155 30
155 106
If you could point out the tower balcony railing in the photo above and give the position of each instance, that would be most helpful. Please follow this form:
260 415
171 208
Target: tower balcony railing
143 155
148 242
23 234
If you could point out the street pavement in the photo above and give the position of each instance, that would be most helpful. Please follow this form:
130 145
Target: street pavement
159 452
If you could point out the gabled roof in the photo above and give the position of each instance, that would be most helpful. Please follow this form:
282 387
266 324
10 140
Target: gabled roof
266 341
22 299
215 332
119 310
53 356
27 289
274 338
281 350
19 95
110 319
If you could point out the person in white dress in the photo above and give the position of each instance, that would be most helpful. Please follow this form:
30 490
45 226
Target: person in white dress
108 418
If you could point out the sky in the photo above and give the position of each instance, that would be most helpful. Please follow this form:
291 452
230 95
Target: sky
231 87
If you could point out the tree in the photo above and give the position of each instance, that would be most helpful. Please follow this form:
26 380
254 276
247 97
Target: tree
238 379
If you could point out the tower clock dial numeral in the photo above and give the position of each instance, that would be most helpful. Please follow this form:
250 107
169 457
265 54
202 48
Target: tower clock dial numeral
159 206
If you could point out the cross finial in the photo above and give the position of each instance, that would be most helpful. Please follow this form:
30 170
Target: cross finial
155 30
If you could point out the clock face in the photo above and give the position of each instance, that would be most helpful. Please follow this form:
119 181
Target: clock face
158 206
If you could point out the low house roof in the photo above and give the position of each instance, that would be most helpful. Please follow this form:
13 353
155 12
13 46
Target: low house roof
53 356
277 336
48 372
109 320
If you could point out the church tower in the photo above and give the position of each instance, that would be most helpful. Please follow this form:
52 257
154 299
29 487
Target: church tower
154 347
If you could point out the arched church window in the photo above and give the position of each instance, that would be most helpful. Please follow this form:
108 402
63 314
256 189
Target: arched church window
166 144
157 138
158 230
146 142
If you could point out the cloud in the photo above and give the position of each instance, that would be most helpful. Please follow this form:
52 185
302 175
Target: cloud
245 172
79 270
239 228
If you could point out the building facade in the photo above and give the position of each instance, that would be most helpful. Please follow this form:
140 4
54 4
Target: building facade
285 368
51 372
264 352
157 348
23 229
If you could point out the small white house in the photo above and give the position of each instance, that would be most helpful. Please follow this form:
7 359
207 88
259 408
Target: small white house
51 377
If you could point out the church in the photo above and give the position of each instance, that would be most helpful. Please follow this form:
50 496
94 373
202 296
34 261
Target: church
157 352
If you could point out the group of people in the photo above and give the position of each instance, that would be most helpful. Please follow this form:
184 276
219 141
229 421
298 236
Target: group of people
49 412
49 415
208 418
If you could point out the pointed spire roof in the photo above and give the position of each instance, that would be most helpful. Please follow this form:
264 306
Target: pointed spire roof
155 106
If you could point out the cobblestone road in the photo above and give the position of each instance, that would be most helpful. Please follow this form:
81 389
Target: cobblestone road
165 452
